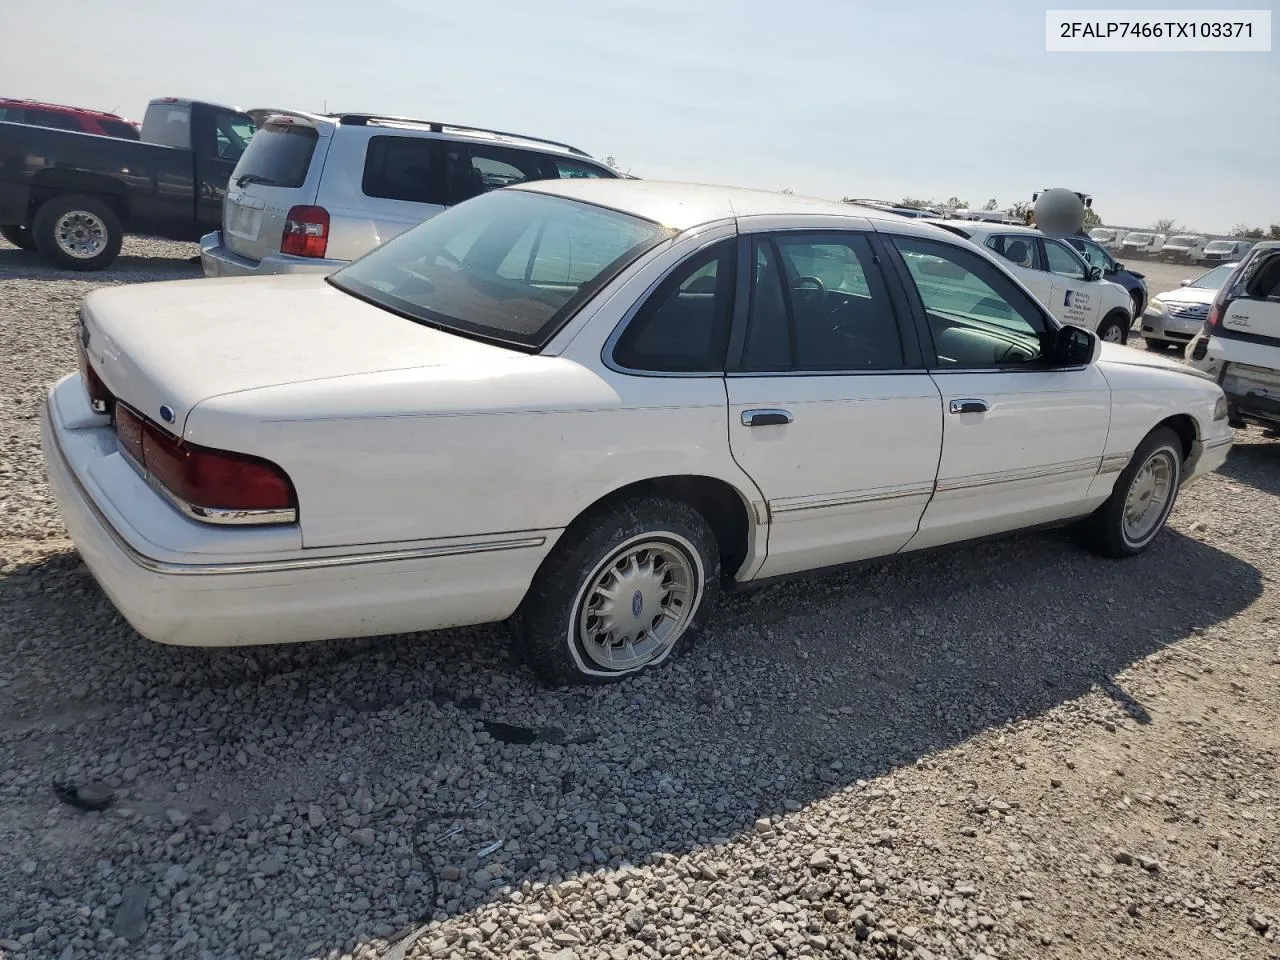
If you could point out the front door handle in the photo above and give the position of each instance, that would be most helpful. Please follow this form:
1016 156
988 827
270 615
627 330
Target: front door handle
969 406
766 417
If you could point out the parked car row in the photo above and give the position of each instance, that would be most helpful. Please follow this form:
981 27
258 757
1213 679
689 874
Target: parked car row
590 405
1180 248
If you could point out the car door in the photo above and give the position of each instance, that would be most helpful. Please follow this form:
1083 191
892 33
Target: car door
1021 440
1075 298
830 411
376 187
1025 261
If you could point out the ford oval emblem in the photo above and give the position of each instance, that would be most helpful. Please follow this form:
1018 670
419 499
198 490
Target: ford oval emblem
637 604
167 414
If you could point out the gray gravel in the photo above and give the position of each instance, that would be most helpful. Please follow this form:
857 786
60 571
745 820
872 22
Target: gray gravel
1007 750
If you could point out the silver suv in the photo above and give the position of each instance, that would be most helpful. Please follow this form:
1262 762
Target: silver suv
312 193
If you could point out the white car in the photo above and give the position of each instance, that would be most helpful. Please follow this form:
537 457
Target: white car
1141 244
1224 251
1240 343
1175 316
589 404
1107 237
1185 248
312 193
1072 289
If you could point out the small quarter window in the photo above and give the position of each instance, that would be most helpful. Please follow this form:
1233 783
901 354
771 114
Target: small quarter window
573 170
684 325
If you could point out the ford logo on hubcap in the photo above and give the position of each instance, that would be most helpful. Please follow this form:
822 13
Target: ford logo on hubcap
637 604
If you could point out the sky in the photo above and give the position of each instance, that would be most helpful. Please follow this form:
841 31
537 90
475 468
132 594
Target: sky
829 98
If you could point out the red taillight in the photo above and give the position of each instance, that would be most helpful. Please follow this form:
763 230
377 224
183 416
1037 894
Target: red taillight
1215 315
99 395
206 480
306 232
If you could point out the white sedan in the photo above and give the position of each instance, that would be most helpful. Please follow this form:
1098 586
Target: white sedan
590 405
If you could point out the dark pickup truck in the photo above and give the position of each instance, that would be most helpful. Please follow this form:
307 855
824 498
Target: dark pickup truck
73 196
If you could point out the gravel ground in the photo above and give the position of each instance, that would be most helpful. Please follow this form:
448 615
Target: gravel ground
1010 750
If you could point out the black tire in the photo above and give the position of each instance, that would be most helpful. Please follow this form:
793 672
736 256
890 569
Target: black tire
548 623
51 214
1104 530
19 236
1118 321
1136 298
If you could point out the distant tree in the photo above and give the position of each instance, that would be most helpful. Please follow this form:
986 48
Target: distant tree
991 204
1247 233
786 190
611 163
1091 218
913 203
955 203
1273 232
1020 210
1166 225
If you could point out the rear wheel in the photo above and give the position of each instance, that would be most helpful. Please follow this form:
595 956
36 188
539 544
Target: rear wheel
1141 500
1114 328
19 236
628 587
77 232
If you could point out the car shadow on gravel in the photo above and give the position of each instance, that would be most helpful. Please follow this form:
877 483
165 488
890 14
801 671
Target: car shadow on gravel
1254 460
344 766
18 264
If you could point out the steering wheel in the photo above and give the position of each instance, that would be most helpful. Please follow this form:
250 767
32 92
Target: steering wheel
811 288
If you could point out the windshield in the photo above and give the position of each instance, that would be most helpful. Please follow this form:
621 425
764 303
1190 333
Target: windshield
508 266
1182 241
1102 236
1220 246
1214 279
1138 238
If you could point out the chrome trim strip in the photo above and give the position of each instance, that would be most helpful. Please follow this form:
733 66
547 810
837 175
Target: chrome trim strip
1219 442
1114 463
277 566
1061 470
823 502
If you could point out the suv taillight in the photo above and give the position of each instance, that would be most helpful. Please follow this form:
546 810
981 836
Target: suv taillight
306 232
213 485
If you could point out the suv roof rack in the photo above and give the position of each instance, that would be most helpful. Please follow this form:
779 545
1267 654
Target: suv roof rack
436 126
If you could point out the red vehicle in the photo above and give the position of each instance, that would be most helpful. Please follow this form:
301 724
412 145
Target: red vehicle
67 118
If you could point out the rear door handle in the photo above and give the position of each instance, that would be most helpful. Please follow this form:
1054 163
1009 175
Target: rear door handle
969 406
766 417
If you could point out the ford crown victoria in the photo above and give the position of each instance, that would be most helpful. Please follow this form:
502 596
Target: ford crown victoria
589 406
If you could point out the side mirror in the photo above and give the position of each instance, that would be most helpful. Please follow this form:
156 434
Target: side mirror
1184 283
1117 267
1095 273
1075 347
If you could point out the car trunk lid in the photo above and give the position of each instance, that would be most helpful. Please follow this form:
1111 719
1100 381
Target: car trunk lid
163 348
280 170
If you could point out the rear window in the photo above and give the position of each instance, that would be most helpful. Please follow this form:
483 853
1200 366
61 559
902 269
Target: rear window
278 155
52 118
1220 246
123 131
1138 238
508 266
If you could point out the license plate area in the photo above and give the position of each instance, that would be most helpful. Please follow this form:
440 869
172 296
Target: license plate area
245 222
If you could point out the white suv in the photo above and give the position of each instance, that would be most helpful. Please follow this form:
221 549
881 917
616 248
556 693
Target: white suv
1072 289
1240 343
312 193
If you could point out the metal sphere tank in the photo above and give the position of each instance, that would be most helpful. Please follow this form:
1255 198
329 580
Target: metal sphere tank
1059 210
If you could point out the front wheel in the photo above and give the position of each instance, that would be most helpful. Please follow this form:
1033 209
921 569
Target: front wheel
1115 328
18 235
628 587
77 232
1141 500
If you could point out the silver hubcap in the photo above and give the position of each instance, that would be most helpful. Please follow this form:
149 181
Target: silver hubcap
1149 496
80 234
1113 334
637 604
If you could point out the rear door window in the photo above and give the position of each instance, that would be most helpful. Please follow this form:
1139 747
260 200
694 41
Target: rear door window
51 118
12 114
278 155
405 168
482 168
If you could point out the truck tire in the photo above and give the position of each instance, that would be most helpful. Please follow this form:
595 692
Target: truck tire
77 232
19 236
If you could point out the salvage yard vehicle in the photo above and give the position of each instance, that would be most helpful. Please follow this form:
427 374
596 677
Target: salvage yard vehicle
1175 316
1111 239
1224 251
35 113
76 195
1095 254
315 192
1183 248
1141 244
1240 343
1073 290
589 405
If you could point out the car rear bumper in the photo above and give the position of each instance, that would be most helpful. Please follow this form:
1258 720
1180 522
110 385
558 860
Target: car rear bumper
205 598
218 261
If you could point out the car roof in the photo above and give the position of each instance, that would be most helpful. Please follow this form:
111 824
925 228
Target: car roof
61 108
685 205
989 227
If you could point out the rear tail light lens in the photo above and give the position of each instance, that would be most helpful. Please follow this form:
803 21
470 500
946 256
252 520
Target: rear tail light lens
215 486
306 232
1215 315
99 395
